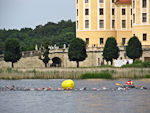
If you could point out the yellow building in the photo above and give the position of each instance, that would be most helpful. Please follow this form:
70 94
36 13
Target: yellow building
96 20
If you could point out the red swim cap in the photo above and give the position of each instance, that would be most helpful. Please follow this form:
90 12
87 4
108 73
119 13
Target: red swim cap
129 82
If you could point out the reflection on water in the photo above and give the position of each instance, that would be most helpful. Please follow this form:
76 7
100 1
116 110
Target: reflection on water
133 101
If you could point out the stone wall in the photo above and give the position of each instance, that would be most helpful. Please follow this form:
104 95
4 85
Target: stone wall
94 58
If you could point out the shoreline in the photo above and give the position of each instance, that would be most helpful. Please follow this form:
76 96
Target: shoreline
71 73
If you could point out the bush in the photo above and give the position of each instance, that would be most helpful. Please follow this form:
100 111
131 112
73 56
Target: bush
103 75
147 76
137 61
146 64
138 64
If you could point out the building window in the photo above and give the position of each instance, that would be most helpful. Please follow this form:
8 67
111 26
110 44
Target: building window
123 23
131 23
144 3
86 23
86 11
123 41
101 1
77 24
133 4
144 37
144 17
113 11
87 41
101 41
101 22
123 11
133 18
113 23
77 12
101 11
86 1
131 11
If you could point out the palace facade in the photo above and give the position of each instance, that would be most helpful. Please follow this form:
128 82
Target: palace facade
96 20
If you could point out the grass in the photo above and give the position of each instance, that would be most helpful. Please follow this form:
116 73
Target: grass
102 75
138 64
73 73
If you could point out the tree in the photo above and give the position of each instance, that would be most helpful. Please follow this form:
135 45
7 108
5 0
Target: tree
77 50
111 51
1 47
134 48
45 58
12 51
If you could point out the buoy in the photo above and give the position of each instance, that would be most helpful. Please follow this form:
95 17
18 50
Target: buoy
67 84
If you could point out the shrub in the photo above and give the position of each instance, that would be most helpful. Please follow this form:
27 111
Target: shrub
137 61
103 75
138 64
147 76
146 64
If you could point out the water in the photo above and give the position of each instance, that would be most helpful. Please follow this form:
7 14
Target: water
131 101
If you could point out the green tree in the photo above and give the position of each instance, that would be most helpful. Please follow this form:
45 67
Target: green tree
1 47
77 50
12 51
45 56
134 48
111 51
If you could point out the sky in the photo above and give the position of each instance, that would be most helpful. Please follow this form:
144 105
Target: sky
17 14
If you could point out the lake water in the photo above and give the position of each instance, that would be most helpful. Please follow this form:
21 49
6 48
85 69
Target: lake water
130 101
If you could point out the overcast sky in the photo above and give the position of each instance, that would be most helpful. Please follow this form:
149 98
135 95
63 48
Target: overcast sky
16 14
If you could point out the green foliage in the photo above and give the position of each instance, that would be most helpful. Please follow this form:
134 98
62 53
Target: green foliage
1 70
103 75
45 55
12 51
134 48
77 50
55 33
138 64
147 76
111 51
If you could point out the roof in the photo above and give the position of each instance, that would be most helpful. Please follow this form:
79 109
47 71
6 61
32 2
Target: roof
123 1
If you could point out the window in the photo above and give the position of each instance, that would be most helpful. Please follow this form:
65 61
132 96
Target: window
144 3
86 11
144 37
113 1
77 12
113 11
77 24
123 11
131 11
101 22
86 23
86 1
101 11
87 41
101 41
131 23
123 41
101 1
113 23
133 18
133 4
123 23
144 17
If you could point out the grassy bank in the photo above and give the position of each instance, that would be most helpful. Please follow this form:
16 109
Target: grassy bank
74 73
102 75
138 64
